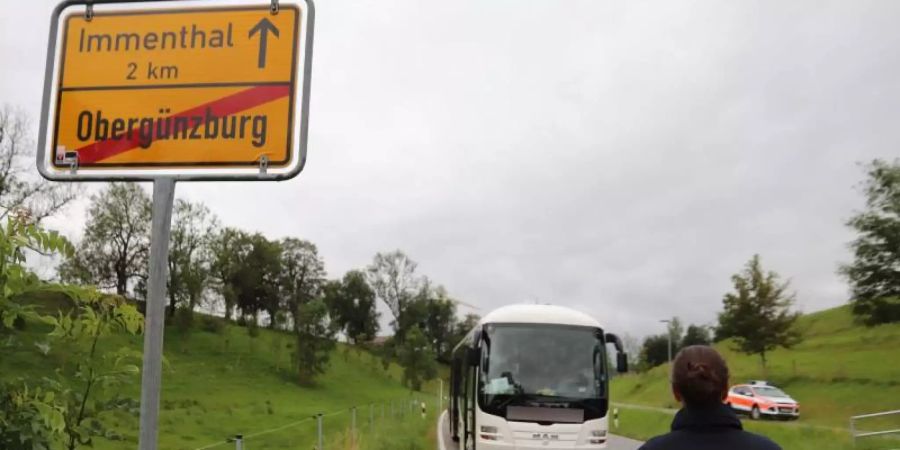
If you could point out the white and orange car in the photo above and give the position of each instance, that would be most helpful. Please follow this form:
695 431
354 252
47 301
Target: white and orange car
760 399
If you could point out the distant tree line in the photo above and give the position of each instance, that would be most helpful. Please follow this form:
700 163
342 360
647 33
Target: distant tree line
253 280
655 349
756 315
282 283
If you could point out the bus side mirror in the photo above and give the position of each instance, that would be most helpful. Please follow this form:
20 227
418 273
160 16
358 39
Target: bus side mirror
621 362
474 356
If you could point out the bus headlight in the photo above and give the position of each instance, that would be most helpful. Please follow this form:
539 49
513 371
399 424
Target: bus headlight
597 437
490 433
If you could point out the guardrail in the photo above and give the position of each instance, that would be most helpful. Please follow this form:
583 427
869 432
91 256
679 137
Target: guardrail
855 434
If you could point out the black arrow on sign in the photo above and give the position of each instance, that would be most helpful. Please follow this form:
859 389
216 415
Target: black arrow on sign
263 28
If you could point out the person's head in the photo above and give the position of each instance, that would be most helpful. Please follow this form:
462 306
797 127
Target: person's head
699 376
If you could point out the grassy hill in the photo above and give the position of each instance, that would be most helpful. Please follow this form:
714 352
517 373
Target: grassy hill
218 384
840 369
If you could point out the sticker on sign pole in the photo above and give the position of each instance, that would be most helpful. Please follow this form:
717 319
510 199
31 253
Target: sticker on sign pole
193 90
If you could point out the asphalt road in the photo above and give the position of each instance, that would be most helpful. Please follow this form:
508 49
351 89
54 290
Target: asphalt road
445 443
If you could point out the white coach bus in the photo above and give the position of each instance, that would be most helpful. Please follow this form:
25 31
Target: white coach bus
532 377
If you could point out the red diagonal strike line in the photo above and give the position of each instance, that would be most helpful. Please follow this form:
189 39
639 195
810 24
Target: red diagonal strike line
224 106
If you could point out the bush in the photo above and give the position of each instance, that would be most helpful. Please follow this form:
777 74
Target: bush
252 329
184 319
211 324
19 323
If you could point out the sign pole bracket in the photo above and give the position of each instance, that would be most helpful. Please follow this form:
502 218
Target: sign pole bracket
154 320
73 165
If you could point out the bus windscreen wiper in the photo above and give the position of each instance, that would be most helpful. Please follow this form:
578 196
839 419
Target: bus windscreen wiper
518 395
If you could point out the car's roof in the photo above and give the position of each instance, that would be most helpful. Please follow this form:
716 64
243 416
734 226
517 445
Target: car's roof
753 386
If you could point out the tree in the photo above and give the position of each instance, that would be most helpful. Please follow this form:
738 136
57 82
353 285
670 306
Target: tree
695 335
757 314
302 275
874 275
20 194
257 281
462 327
114 250
193 229
301 279
414 314
417 359
676 331
632 348
386 352
655 350
392 277
351 304
720 334
229 247
440 318
315 340
467 323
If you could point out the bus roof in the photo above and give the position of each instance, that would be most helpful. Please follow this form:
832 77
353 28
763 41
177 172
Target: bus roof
550 314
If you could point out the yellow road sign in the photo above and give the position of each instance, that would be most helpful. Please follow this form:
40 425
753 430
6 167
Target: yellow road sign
190 89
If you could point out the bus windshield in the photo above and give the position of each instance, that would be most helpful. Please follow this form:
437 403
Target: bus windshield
535 365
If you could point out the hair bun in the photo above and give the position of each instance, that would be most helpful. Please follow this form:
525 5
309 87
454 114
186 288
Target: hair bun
700 375
697 370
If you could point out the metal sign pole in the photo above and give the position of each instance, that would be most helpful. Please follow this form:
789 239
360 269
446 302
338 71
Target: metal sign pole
154 321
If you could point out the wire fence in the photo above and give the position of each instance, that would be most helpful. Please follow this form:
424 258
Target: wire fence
335 430
884 426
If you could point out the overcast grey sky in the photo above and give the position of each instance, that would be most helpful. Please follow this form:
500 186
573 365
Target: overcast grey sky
624 158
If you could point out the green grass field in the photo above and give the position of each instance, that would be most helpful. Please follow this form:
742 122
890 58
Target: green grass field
217 385
839 370
640 424
409 433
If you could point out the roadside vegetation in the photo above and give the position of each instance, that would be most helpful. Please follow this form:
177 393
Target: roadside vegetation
837 363
411 433
839 368
220 381
258 333
642 424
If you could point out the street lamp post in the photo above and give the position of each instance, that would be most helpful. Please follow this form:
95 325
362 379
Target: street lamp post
669 335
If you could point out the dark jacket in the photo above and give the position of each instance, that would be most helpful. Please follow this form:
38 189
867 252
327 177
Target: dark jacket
716 428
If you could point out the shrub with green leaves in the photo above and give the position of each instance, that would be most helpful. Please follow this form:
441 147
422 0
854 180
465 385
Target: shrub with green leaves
16 239
38 415
88 387
29 417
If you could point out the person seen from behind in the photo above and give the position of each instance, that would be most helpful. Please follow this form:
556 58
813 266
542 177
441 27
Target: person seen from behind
704 422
